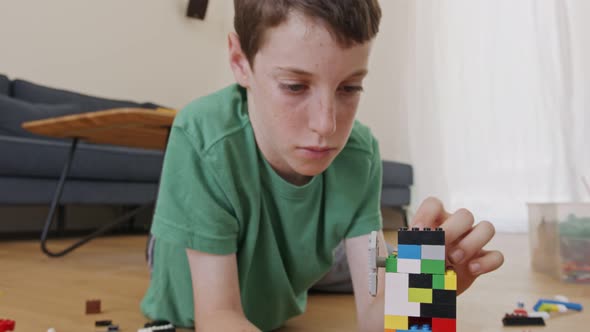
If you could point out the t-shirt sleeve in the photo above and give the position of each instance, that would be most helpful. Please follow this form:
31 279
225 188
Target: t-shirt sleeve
192 209
368 216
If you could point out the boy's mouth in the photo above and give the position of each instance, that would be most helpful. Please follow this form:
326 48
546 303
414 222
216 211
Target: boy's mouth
316 152
317 148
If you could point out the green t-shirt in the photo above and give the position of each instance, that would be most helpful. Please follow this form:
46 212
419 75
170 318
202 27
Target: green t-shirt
219 195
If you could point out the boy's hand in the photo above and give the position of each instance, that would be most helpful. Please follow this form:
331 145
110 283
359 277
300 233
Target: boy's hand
464 241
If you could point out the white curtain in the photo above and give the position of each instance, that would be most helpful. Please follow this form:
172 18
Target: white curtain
498 103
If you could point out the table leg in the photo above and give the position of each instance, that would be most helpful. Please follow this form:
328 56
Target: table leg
55 202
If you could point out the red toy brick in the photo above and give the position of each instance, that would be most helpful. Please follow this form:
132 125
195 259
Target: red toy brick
6 325
444 325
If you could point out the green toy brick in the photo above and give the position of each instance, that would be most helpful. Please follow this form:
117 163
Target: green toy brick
433 266
391 264
438 281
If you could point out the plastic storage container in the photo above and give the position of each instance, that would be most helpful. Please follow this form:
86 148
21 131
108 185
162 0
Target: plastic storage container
559 236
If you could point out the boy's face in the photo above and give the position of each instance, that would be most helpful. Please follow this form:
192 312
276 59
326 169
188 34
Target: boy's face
303 93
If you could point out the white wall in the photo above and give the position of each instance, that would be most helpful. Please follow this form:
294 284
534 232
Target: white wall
383 107
147 50
132 49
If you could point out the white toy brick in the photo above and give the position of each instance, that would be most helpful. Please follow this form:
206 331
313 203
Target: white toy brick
433 252
408 266
396 296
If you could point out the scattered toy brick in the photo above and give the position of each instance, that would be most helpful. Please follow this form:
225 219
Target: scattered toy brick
93 307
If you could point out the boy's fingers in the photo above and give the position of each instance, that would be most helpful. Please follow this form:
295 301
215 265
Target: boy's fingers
431 213
458 225
472 243
487 262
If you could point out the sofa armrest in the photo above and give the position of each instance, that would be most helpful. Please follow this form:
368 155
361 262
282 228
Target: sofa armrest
397 174
4 85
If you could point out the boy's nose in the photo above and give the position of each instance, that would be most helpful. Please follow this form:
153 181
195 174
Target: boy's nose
323 118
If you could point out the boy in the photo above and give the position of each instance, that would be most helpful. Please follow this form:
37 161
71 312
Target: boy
262 180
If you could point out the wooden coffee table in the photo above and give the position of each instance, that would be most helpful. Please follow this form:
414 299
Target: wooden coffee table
132 127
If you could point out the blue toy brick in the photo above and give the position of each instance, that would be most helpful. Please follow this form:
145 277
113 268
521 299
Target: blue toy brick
569 305
419 321
423 328
426 328
411 251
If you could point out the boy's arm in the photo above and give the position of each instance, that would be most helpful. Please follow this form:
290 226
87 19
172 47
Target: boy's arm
216 293
369 309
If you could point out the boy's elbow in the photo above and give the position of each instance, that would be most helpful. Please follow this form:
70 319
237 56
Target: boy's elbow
368 325
370 318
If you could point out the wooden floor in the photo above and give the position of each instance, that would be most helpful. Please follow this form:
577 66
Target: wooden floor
40 292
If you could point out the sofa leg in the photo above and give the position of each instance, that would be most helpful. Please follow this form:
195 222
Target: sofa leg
54 206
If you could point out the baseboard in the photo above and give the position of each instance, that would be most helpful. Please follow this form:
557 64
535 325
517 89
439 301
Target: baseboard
24 222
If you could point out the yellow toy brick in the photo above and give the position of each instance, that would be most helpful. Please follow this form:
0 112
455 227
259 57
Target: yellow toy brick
450 280
396 322
420 295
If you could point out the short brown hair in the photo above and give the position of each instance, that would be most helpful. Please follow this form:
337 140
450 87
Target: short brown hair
350 21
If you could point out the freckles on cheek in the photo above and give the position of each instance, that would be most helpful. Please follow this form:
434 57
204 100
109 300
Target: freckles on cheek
349 107
347 115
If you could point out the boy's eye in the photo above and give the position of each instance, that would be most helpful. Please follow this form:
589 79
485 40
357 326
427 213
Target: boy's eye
293 88
351 89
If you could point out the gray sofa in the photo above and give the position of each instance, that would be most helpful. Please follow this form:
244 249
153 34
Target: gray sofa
395 190
30 165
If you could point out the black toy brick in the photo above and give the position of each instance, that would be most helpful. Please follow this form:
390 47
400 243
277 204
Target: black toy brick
422 280
419 321
517 320
443 296
103 323
418 237
438 310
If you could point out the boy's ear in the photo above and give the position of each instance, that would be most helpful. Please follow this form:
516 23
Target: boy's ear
238 61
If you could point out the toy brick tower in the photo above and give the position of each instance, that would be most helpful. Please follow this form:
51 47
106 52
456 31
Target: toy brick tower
420 294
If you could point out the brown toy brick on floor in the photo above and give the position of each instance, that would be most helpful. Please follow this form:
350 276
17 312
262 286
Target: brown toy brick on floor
92 307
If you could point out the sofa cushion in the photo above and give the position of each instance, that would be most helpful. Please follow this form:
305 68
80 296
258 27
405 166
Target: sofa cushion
14 112
395 196
15 190
39 158
4 85
36 93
